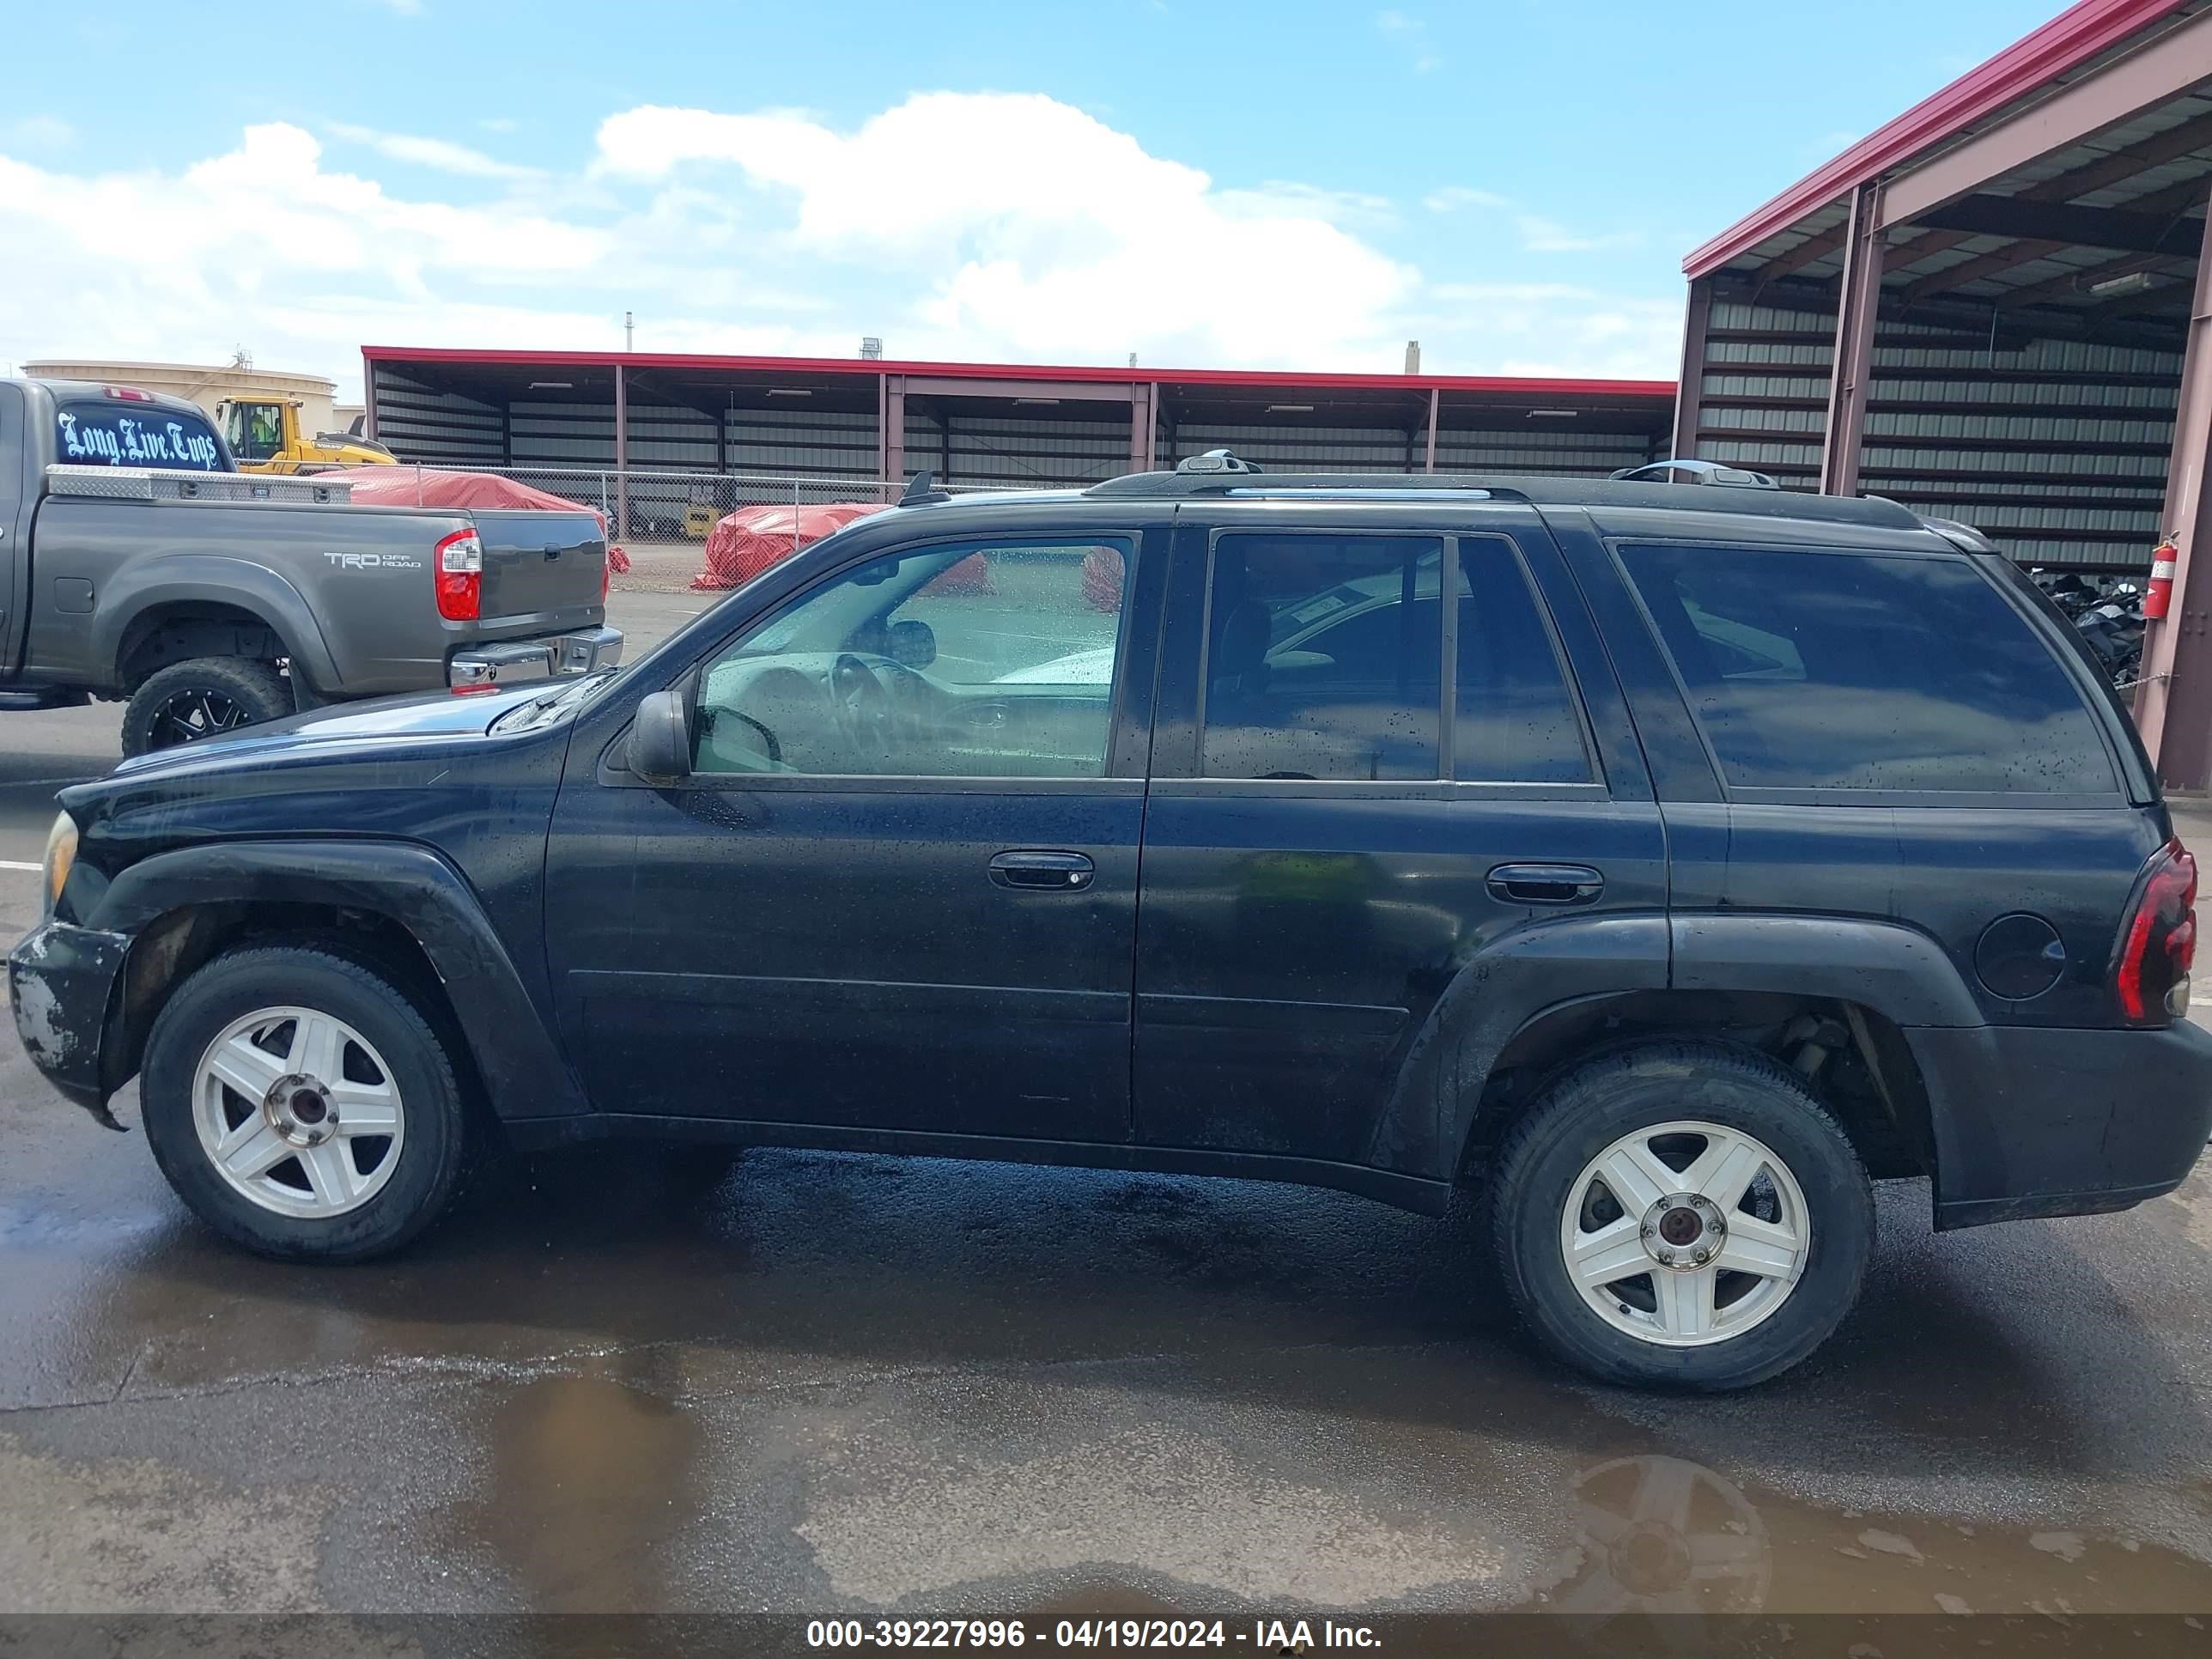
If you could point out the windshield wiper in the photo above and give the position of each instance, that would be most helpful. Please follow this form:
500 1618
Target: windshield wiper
543 706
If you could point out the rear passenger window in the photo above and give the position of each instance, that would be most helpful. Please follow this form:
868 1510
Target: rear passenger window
1827 671
1514 722
1323 657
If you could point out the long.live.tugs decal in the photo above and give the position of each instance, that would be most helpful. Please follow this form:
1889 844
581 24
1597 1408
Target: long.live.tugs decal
121 440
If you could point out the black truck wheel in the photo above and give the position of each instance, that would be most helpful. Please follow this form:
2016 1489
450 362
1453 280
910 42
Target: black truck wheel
302 1105
201 698
1681 1215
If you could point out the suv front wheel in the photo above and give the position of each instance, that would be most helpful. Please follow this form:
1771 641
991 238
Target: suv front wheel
301 1105
1681 1215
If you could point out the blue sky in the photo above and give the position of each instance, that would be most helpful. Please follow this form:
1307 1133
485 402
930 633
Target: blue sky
1290 184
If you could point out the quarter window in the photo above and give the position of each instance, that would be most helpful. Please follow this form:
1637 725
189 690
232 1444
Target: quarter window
1830 671
979 659
1514 722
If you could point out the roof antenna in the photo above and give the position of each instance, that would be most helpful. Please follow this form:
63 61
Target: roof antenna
923 490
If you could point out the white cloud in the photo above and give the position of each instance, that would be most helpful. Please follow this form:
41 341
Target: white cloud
1452 197
1412 35
499 123
1542 235
1538 235
1045 235
404 7
38 132
1042 231
440 155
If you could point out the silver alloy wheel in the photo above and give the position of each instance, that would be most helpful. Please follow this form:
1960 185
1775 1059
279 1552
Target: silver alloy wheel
297 1111
1685 1234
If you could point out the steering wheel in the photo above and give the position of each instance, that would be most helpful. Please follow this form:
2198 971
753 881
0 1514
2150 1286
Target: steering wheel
862 707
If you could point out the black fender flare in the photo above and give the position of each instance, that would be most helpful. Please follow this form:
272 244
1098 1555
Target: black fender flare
524 1073
1527 976
239 584
1898 971
1514 980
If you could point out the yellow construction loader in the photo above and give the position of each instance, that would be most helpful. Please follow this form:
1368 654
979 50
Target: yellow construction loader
265 436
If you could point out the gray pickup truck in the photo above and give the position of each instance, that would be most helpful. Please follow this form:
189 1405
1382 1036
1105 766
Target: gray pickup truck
136 562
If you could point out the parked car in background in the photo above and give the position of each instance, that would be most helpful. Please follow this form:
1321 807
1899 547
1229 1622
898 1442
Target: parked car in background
1663 864
144 568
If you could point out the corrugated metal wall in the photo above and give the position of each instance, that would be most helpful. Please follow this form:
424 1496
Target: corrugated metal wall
987 449
802 442
437 429
2057 449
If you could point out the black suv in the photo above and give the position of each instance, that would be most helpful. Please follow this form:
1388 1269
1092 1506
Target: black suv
1662 861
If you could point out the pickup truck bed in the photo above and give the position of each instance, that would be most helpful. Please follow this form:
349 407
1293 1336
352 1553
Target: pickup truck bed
115 573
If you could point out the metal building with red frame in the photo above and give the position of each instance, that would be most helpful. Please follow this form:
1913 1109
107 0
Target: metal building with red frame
1996 308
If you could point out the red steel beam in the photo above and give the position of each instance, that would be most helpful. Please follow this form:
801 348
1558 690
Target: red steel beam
622 456
894 438
1857 309
2169 66
2173 706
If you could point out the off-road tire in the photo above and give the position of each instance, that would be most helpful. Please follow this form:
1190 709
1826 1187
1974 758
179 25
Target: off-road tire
255 690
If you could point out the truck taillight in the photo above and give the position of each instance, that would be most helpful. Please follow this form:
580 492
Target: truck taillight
606 574
457 566
2158 942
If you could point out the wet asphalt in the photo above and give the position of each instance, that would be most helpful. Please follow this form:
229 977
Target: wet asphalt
821 1383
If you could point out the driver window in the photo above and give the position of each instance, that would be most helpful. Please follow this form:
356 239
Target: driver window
975 659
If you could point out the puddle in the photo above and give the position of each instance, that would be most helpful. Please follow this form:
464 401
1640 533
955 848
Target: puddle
1664 1536
591 1486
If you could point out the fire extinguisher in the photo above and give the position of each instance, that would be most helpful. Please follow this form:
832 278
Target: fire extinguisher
2160 591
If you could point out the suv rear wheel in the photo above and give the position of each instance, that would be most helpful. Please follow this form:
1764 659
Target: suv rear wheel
1681 1215
301 1105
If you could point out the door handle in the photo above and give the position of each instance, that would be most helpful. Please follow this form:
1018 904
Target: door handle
1546 883
1039 871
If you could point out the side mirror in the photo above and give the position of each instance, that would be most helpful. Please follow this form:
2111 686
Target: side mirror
912 644
660 739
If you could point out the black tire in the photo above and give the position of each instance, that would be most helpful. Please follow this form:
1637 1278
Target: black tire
1583 1113
430 1154
199 698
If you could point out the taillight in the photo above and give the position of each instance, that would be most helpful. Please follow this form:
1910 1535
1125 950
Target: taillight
458 564
2158 942
606 574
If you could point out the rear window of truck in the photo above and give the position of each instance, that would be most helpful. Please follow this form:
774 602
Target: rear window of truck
135 435
1835 671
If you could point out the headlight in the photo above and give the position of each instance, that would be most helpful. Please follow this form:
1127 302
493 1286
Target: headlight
61 853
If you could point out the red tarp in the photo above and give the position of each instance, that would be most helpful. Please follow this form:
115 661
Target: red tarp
429 486
753 538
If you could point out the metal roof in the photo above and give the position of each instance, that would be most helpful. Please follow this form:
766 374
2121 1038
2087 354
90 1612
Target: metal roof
1501 385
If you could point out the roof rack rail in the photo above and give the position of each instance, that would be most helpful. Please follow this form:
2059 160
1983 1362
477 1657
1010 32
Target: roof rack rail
1764 500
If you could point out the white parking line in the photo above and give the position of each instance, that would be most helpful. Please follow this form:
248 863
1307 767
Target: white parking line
18 864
